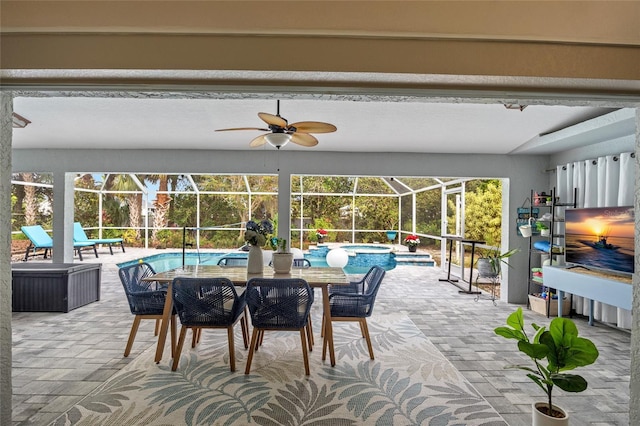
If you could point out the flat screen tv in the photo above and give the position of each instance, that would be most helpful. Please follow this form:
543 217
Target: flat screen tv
600 238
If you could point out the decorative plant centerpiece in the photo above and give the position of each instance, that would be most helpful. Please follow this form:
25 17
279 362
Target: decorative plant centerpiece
282 258
412 242
256 235
562 349
321 234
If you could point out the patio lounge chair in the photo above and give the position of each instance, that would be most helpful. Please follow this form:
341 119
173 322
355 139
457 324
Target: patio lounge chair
79 236
41 240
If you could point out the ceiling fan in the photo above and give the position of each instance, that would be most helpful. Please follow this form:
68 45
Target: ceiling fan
281 132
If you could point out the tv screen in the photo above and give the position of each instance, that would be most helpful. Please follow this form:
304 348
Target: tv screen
600 237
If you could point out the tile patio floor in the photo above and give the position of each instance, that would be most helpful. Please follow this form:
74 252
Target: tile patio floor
59 358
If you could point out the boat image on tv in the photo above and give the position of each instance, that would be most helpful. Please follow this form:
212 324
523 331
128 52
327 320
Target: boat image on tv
600 237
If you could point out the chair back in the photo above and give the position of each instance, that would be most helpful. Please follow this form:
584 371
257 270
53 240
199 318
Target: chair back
131 277
143 297
233 261
278 303
78 232
301 263
206 301
357 303
38 236
372 280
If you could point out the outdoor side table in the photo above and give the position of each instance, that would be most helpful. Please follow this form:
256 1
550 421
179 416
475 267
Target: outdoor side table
454 281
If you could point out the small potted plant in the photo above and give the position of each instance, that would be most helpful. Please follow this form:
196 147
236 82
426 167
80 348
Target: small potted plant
562 350
321 234
282 258
412 242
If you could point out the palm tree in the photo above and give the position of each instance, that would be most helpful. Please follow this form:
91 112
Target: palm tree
30 200
162 203
134 200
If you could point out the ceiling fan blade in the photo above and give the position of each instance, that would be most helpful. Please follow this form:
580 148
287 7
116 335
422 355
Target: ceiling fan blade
243 128
314 127
273 120
304 139
259 141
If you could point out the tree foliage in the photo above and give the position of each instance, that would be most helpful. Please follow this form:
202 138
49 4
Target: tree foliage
483 215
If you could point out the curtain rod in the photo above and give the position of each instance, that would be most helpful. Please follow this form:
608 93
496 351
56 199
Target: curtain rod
594 162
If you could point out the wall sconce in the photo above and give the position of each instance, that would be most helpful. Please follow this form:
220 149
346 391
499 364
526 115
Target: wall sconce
19 122
515 106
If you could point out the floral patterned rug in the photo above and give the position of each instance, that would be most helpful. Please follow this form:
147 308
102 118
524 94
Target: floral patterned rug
409 383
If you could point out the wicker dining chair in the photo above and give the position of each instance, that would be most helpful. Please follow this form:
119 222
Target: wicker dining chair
301 263
233 261
278 304
146 300
355 303
209 303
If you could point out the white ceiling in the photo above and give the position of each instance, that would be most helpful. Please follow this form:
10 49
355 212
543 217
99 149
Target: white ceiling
372 126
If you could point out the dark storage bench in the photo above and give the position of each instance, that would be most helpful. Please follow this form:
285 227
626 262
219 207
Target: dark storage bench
54 287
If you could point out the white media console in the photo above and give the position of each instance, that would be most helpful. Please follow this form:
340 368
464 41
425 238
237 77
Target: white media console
594 288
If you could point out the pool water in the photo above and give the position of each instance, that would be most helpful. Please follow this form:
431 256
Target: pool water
166 261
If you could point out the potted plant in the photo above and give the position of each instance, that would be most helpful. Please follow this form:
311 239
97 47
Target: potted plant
282 258
543 229
412 242
321 234
489 265
561 350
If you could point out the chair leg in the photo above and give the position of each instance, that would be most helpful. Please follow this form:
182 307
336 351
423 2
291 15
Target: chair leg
232 348
80 253
157 329
309 336
132 335
365 329
362 327
122 245
305 354
174 333
110 249
254 341
26 253
245 332
313 342
176 357
95 250
322 327
194 337
261 339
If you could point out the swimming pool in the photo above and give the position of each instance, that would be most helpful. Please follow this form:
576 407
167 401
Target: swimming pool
358 263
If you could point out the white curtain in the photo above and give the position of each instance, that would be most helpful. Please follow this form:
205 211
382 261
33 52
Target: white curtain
603 182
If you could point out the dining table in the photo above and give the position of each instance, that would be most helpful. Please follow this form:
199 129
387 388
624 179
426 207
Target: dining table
317 277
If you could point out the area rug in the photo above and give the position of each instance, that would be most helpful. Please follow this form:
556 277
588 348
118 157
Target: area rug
409 383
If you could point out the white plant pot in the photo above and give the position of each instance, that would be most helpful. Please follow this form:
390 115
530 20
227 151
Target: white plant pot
540 419
282 262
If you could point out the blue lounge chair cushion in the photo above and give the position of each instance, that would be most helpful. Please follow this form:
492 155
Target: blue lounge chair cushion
41 240
80 236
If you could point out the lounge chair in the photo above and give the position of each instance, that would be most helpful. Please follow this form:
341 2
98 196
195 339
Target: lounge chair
79 236
41 240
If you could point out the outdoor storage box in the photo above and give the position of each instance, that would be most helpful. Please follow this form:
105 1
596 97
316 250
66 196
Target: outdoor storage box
54 287
539 305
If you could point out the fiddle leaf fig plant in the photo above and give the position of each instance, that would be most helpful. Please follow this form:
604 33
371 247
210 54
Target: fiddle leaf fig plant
559 346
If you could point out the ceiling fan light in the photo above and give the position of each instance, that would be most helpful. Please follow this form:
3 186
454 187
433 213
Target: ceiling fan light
278 139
